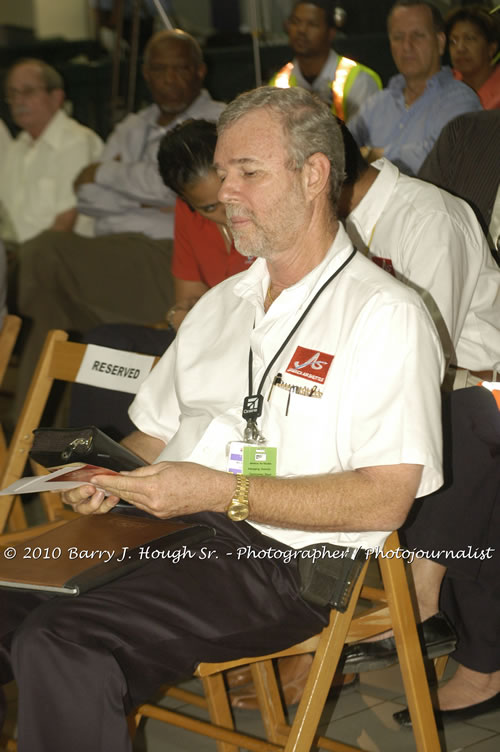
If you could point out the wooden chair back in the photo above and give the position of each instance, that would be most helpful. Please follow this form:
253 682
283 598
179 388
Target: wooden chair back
60 360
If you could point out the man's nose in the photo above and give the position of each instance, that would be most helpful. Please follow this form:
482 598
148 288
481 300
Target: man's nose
170 74
228 191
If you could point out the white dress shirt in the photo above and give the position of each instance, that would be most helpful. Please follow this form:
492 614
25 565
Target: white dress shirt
435 244
36 176
376 408
128 193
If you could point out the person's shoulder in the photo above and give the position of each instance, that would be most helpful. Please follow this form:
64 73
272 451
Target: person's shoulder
423 201
81 131
189 218
473 123
138 119
449 87
205 107
375 286
381 99
364 70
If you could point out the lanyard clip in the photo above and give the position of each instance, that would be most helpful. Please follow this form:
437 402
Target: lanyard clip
251 434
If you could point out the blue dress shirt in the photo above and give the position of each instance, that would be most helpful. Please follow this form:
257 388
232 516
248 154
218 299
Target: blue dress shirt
408 134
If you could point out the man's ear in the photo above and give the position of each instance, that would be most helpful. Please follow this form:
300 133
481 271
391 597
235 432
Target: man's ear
331 34
57 97
201 72
316 174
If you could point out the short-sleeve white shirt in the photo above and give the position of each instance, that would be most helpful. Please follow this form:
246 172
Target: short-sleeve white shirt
5 139
380 402
435 244
36 176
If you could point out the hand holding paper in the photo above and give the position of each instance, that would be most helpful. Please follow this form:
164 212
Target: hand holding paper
61 478
171 489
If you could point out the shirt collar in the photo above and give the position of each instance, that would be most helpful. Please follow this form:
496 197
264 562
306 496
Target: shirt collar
367 213
51 134
440 79
252 285
197 109
327 72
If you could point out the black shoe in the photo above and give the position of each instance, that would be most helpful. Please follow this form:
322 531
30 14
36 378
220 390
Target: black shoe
437 637
460 714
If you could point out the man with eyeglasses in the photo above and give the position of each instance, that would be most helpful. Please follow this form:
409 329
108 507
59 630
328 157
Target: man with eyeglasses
403 121
38 167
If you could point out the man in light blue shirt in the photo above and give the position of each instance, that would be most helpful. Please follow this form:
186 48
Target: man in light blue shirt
403 121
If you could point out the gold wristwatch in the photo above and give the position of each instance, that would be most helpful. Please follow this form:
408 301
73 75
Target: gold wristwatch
237 510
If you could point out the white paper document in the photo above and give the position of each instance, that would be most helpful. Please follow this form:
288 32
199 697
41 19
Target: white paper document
62 479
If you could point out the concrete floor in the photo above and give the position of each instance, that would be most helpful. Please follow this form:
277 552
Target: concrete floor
361 716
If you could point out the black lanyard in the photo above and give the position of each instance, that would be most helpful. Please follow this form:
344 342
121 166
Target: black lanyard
252 405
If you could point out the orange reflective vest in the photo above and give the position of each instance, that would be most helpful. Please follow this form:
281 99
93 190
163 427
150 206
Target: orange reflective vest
345 74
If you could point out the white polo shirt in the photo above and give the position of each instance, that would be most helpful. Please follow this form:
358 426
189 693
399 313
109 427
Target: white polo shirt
374 349
435 244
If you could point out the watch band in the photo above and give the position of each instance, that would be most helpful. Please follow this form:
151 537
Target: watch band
238 510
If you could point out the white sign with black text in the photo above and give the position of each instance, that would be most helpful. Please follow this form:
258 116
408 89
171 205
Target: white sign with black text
114 369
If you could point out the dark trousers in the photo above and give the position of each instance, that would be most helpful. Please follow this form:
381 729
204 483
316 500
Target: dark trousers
82 663
462 520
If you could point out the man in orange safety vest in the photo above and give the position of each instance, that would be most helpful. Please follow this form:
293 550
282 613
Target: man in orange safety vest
339 81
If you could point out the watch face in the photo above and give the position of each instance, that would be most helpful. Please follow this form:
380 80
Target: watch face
238 511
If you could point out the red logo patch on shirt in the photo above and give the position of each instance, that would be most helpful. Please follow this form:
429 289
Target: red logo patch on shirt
384 263
310 364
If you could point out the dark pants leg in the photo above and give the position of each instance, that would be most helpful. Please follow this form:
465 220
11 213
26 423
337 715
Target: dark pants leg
463 522
105 408
82 663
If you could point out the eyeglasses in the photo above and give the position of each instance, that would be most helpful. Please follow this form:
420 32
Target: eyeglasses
26 93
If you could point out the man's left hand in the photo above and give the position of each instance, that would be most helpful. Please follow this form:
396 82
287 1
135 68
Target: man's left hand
170 489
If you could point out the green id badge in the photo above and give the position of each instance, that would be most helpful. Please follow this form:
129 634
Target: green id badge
259 460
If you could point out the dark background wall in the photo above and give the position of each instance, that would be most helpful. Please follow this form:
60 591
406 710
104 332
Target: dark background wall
230 70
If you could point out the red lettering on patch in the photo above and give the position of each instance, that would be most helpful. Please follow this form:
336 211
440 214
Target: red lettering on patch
310 364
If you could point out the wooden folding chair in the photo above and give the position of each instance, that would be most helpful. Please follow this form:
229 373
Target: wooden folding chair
60 360
8 337
394 609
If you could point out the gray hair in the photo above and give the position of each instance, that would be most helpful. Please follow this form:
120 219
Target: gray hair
172 35
309 126
51 78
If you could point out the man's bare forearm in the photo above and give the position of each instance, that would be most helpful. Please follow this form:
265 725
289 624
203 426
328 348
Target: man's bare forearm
146 447
377 498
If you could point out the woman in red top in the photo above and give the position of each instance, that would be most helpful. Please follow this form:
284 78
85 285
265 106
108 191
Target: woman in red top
204 255
473 40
